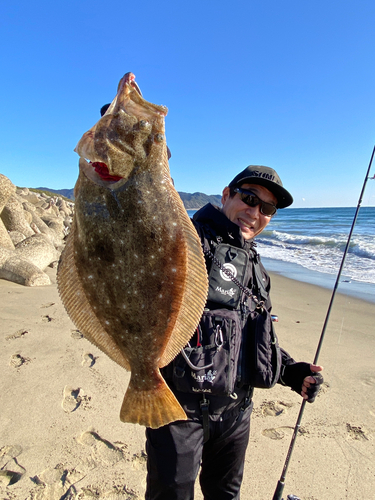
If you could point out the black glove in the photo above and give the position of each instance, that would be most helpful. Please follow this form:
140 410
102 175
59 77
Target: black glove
293 375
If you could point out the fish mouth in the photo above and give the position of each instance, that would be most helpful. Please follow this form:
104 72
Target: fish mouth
98 173
123 136
100 167
129 78
102 170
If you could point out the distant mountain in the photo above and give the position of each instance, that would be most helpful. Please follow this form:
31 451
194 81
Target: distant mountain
191 201
68 193
198 200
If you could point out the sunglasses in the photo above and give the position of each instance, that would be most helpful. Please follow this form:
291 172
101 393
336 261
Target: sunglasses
252 200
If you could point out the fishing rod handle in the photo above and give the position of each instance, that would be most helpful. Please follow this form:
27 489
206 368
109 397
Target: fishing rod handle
279 491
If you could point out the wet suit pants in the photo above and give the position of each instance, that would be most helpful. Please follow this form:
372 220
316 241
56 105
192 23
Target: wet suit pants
176 451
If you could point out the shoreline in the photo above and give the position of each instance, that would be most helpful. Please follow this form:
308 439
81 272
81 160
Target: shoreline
346 286
61 397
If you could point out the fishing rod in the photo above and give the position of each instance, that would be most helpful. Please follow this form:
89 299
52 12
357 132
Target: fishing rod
281 483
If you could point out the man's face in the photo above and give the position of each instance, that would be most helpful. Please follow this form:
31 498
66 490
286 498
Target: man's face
250 219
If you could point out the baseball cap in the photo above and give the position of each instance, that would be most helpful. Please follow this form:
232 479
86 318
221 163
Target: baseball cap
267 177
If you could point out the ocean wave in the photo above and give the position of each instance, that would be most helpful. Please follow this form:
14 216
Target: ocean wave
363 250
363 246
358 265
304 239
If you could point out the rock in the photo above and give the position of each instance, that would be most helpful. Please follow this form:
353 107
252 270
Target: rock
4 255
33 227
14 218
5 240
68 222
23 272
28 206
63 207
57 225
7 189
38 250
16 237
28 217
23 191
30 197
48 232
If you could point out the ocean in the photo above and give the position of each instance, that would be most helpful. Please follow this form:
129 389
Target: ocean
307 244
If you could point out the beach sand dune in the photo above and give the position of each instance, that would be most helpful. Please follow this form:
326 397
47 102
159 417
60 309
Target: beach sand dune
60 398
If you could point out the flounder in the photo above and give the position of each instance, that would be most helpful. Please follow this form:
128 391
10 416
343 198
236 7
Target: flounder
132 276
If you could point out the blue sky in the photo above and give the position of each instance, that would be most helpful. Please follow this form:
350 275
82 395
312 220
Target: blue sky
288 84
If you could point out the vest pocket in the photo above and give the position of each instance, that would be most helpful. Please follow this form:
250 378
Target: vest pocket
208 364
262 360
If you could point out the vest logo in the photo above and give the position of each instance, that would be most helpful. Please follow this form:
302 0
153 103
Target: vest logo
207 377
231 292
230 268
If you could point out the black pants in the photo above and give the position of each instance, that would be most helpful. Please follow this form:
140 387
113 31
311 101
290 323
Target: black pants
176 451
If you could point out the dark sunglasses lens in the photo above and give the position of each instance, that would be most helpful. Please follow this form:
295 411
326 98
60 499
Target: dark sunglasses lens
267 209
252 201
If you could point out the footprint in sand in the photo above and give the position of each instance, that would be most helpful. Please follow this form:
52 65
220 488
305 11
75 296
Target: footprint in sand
57 483
273 433
49 304
76 334
88 359
17 361
73 398
139 460
47 318
115 494
102 451
17 335
11 471
276 433
275 408
356 432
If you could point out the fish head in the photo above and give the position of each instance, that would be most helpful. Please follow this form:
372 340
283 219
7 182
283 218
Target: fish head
126 138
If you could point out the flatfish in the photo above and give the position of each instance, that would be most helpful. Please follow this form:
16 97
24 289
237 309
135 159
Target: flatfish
132 275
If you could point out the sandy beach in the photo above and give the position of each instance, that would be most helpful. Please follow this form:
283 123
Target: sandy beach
60 433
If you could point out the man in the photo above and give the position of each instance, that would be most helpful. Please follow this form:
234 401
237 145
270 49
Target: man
234 350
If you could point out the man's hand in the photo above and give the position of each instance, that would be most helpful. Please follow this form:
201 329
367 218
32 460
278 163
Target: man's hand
303 378
312 383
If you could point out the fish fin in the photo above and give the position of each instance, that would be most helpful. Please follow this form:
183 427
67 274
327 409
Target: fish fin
151 408
78 307
195 287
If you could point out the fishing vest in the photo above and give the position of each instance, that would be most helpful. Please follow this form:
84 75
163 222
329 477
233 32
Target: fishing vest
235 344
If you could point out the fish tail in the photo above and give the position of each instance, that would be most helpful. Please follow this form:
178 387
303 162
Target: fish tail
151 408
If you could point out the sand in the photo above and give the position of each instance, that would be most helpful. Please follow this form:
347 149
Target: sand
60 398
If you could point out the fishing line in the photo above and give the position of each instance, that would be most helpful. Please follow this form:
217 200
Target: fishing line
281 483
